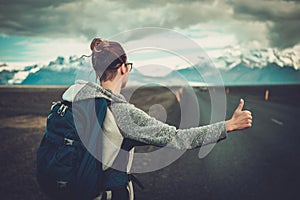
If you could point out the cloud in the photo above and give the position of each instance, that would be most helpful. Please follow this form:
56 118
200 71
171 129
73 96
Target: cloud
26 18
281 17
88 18
51 48
273 23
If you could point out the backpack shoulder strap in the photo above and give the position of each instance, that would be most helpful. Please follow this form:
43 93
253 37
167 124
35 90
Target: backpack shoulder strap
101 109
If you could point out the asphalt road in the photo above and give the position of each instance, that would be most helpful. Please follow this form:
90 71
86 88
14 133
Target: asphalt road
259 163
262 162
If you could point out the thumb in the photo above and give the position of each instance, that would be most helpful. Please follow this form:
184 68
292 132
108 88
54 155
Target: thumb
241 105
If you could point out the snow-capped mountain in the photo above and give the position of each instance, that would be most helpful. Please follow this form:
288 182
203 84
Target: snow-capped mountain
258 57
62 71
234 67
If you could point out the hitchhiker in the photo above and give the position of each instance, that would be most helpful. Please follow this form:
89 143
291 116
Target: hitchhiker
80 157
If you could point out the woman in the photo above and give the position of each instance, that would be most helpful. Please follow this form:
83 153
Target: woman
127 126
110 64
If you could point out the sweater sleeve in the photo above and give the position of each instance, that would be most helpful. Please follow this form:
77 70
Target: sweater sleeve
137 125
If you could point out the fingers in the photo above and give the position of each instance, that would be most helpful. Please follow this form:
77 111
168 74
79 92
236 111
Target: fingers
241 105
248 121
249 124
248 114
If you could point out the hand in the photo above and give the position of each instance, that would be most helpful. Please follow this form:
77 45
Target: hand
241 119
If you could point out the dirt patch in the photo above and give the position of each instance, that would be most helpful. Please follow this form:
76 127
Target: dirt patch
24 122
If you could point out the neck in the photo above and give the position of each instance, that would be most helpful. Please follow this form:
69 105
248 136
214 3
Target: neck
114 86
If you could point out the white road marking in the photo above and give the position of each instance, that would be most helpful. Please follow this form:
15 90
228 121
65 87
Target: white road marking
277 121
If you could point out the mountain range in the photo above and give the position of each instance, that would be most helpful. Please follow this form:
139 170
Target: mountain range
234 67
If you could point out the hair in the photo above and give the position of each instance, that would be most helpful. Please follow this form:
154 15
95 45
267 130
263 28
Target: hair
107 57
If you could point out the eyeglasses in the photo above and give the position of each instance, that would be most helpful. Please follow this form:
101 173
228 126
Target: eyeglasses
129 65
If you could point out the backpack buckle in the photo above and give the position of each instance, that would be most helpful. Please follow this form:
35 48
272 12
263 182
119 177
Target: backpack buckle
61 111
54 104
68 142
61 184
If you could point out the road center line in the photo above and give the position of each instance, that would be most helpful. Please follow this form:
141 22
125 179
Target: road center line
277 121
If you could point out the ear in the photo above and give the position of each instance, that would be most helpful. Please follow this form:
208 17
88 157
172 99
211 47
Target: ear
123 69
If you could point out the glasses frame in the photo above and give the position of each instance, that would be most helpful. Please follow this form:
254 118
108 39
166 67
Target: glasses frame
129 64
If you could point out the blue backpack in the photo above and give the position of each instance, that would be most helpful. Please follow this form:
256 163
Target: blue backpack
65 167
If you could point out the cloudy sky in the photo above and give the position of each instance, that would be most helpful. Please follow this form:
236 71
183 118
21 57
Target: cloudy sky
41 30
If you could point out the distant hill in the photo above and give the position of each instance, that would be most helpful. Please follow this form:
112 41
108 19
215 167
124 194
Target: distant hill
270 74
255 68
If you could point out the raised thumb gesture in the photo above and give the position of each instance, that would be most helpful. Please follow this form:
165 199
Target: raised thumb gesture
240 106
241 119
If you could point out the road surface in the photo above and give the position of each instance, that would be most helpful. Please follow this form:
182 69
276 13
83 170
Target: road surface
258 163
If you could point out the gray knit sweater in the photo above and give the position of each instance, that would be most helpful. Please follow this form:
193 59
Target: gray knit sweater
137 125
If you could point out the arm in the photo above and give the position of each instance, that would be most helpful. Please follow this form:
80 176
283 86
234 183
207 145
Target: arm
137 125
